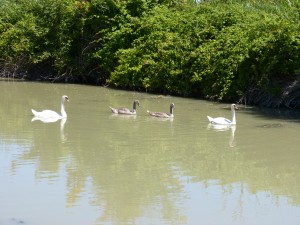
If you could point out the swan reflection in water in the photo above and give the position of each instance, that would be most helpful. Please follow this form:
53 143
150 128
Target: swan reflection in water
153 119
63 137
63 121
218 127
166 121
123 116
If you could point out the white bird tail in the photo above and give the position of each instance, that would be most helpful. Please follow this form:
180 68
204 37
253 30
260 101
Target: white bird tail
113 110
35 113
210 119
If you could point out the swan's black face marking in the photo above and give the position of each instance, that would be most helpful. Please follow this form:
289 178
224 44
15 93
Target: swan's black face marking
67 98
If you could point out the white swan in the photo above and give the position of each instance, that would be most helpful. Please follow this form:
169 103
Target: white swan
163 114
48 116
126 111
222 120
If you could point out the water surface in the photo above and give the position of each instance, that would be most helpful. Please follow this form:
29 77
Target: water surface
98 168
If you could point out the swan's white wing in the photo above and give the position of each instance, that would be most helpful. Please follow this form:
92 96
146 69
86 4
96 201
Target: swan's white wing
219 120
46 114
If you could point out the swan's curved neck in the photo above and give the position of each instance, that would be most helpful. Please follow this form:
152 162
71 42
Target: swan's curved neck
63 111
134 106
171 110
233 116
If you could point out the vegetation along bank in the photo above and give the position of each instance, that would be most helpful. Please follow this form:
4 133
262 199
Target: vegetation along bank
225 50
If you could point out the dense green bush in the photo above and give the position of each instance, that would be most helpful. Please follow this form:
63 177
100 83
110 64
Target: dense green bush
36 34
220 49
250 53
157 56
212 50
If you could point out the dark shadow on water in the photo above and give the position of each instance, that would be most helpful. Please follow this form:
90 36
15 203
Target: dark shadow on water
271 113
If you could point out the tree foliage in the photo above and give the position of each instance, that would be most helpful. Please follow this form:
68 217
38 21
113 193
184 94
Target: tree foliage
214 50
220 49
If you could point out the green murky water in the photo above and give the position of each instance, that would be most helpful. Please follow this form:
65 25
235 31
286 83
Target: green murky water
98 168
